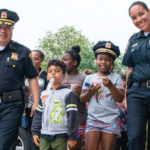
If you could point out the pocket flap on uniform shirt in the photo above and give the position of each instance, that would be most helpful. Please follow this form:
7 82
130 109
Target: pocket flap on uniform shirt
13 64
136 48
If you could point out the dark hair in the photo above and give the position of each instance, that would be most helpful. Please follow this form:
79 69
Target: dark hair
138 3
57 62
123 76
74 52
88 71
40 52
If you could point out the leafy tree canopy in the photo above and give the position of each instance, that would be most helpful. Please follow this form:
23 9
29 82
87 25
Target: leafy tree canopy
55 44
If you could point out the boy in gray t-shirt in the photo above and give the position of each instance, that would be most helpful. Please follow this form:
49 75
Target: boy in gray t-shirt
103 90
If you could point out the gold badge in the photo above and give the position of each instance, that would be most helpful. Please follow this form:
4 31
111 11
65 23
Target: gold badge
4 14
14 56
108 45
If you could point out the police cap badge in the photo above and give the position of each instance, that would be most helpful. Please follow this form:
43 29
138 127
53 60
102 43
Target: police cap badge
106 47
8 17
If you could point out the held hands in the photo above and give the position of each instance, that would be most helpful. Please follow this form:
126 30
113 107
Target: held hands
107 82
36 140
93 88
72 144
76 88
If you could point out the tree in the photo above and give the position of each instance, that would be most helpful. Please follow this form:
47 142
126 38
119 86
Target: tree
119 68
55 44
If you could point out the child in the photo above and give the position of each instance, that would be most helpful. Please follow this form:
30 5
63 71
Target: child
74 80
56 116
103 90
38 58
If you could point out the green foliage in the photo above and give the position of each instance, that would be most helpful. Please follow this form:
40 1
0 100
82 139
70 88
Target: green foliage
119 68
55 44
87 59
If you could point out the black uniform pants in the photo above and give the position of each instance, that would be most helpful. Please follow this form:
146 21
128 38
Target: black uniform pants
10 118
138 113
121 142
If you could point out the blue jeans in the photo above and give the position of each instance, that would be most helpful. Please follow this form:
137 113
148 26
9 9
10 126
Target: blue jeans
138 113
10 118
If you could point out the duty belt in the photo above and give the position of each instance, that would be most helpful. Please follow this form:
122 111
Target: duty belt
142 83
11 96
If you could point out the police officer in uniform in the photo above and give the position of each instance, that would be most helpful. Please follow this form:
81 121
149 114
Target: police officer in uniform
137 59
15 65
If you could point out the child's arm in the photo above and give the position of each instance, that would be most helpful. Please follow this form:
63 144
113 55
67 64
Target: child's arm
117 94
37 124
127 75
72 115
72 144
77 89
87 94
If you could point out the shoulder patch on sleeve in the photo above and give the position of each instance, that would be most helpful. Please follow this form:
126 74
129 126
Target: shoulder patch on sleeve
30 55
134 35
127 47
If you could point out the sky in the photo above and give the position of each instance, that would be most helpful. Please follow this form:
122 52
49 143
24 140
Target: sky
96 19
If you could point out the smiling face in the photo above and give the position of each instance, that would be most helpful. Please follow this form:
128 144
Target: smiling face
104 63
140 17
5 34
37 59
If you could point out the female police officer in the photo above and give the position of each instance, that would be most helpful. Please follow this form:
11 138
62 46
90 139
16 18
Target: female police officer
137 58
15 64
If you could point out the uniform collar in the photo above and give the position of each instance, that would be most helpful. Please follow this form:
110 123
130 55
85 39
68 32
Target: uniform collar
140 35
11 45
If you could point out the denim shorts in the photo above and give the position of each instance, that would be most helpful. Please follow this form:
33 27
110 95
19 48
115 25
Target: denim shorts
95 125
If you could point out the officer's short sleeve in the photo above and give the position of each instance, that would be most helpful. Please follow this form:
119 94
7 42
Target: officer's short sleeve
30 71
127 58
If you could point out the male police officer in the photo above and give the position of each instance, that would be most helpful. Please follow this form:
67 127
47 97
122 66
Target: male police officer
15 65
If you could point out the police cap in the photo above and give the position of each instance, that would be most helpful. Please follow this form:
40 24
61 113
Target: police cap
106 47
8 17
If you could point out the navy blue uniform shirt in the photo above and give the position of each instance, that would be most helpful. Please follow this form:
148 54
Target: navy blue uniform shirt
15 64
137 55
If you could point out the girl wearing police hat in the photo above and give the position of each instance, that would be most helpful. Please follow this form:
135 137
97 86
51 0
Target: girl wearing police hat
137 59
103 90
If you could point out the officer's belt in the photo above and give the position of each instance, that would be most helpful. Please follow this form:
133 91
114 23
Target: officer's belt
11 96
142 83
